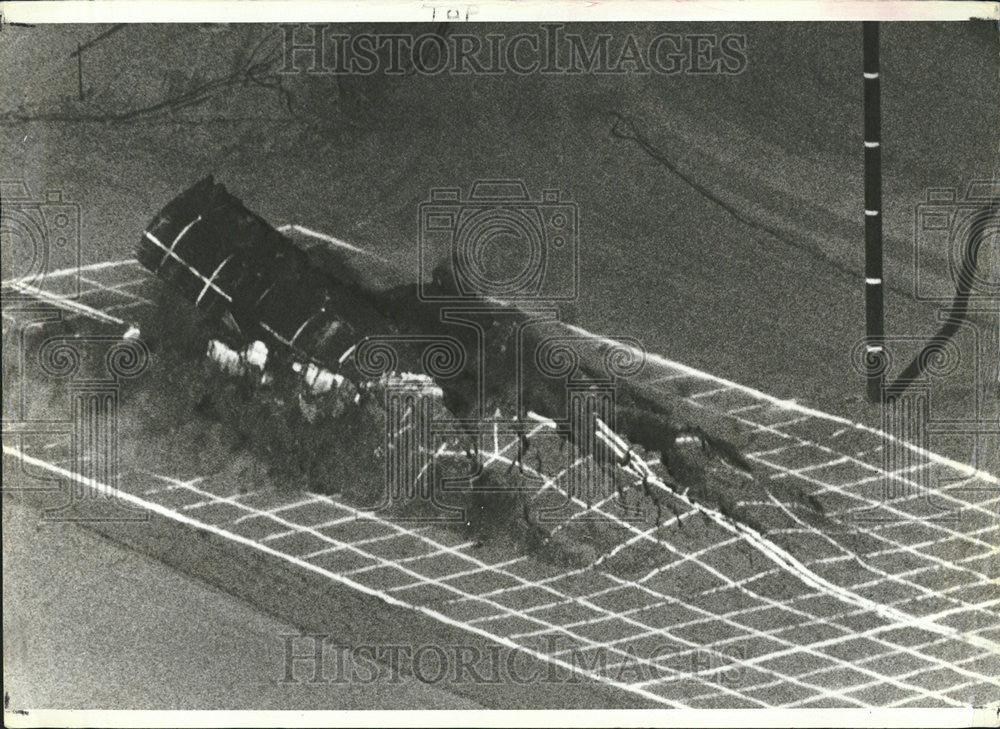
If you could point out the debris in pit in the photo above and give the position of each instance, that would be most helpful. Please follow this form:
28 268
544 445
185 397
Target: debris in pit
315 418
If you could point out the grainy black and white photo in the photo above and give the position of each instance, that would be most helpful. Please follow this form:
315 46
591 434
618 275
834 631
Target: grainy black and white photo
480 357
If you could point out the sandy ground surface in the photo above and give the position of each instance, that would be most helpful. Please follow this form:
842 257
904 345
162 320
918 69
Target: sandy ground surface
660 261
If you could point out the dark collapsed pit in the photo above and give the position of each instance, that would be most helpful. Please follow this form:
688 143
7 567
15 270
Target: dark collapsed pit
240 280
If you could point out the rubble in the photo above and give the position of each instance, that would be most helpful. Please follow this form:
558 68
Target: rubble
303 330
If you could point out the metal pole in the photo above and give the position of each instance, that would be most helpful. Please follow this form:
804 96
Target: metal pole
79 69
874 316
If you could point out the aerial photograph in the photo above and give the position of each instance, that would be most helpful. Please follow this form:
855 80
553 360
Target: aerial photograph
447 360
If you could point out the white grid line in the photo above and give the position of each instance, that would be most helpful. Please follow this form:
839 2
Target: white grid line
648 535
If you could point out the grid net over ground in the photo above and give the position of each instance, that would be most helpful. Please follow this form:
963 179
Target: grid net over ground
897 609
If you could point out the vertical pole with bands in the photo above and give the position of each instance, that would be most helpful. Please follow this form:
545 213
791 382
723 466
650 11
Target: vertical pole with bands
79 69
874 316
